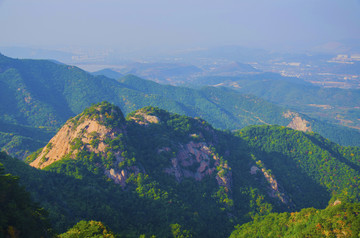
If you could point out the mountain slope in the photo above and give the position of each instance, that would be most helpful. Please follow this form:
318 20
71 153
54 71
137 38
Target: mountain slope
226 109
329 165
19 215
338 106
43 94
181 171
340 220
222 107
127 166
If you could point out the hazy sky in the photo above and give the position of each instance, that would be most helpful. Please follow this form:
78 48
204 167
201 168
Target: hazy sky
176 24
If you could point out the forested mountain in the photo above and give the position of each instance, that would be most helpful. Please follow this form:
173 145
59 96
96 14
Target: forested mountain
37 97
334 105
158 173
19 215
338 220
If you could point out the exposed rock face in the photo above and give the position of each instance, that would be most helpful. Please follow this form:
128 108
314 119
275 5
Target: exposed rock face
297 122
224 178
337 202
61 144
192 160
144 119
253 170
273 184
120 176
196 160
87 133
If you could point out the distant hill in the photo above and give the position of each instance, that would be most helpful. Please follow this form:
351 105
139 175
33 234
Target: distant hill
36 53
229 69
161 72
254 78
41 94
334 105
110 73
155 172
231 110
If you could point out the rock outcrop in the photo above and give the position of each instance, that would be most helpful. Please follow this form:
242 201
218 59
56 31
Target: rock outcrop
274 189
297 123
196 160
144 119
192 160
120 176
62 143
91 132
83 132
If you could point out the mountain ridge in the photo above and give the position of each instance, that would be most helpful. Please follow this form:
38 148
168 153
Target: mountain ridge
185 172
43 95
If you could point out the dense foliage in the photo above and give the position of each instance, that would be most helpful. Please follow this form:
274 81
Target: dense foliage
340 220
333 105
88 229
20 141
297 153
38 96
19 215
103 112
251 173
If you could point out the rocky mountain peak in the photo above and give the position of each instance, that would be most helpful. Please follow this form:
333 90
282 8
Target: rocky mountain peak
91 131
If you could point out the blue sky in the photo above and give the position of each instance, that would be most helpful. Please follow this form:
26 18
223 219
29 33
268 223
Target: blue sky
171 24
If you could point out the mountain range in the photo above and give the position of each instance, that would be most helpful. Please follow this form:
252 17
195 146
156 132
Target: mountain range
333 105
153 171
38 96
129 157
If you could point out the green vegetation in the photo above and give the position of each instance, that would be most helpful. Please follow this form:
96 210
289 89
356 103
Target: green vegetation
221 107
38 96
334 221
105 113
19 146
178 232
331 105
20 141
173 175
88 229
19 215
284 149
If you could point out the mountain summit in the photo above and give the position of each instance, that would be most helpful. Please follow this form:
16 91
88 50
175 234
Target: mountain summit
89 131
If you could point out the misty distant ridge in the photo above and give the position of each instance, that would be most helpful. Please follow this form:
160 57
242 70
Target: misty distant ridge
229 53
348 46
110 73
